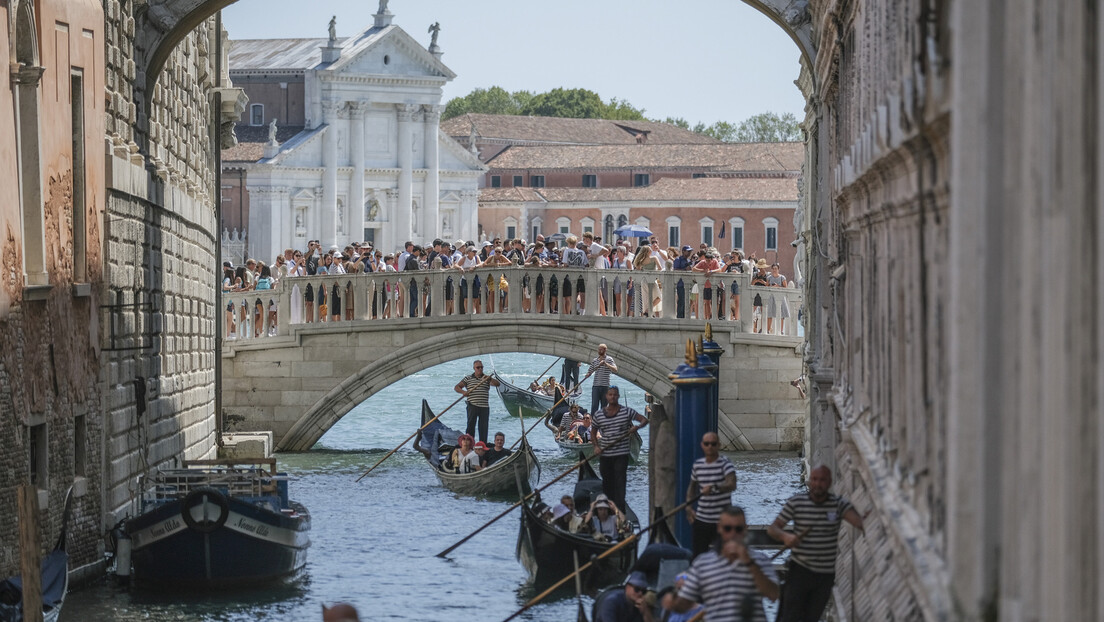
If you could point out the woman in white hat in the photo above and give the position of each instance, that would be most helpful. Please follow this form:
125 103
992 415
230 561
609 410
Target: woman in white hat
603 518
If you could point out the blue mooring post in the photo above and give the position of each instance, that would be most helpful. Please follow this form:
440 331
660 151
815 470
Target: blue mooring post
714 351
692 390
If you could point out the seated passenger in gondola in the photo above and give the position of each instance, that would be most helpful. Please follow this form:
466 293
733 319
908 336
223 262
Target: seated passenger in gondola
481 450
568 421
535 388
561 517
604 520
582 431
498 452
463 459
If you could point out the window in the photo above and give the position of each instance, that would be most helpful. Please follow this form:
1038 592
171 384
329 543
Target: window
511 232
80 446
697 176
536 181
641 179
518 181
80 229
590 181
587 224
496 181
771 227
674 231
737 226
622 220
256 114
607 228
563 225
38 457
644 222
535 225
707 231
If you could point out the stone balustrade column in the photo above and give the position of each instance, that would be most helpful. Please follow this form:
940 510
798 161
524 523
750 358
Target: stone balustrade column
431 213
362 302
404 229
514 277
669 282
328 233
593 281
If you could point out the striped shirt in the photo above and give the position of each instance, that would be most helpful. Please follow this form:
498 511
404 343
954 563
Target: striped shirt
613 428
727 589
477 395
817 550
601 372
705 474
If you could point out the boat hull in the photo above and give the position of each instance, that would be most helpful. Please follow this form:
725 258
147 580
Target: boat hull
530 404
499 478
253 545
571 447
548 554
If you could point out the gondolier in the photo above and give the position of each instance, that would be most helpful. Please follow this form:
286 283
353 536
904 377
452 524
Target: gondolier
713 476
613 448
816 516
600 368
475 387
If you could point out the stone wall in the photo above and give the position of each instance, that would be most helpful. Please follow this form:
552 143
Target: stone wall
161 240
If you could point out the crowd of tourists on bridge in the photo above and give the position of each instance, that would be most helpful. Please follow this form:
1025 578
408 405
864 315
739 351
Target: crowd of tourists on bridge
486 293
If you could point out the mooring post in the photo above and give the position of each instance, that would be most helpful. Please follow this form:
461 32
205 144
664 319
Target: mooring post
693 385
30 558
713 351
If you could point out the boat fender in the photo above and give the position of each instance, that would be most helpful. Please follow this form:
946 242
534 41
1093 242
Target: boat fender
122 553
198 497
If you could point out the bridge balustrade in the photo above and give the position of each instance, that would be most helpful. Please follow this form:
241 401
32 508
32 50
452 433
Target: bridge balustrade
510 291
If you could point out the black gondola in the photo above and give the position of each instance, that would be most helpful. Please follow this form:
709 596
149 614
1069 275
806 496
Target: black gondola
547 552
54 583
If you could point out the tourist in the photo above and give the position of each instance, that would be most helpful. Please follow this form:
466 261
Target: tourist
731 579
615 423
777 306
628 605
469 264
584 431
814 543
667 598
335 303
602 263
604 519
759 280
734 264
713 476
298 266
708 264
620 262
463 459
497 452
600 368
475 387
561 517
481 451
682 263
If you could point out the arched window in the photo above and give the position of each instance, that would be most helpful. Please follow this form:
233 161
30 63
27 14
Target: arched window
607 229
26 77
563 225
622 220
587 224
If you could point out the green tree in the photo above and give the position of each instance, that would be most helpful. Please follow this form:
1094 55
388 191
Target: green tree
766 127
677 122
721 130
570 103
495 100
621 110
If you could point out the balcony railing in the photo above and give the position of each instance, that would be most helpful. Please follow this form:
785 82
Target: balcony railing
397 297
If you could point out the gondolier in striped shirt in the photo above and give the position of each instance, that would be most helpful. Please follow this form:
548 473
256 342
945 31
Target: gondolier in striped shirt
731 579
816 516
614 422
713 476
602 366
476 388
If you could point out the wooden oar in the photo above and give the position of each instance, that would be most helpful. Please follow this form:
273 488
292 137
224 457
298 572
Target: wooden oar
582 617
698 617
800 536
485 379
620 545
540 375
529 496
566 394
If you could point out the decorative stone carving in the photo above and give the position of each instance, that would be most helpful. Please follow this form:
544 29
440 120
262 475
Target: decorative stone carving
333 31
434 30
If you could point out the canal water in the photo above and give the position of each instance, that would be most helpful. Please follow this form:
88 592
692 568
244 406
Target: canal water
374 543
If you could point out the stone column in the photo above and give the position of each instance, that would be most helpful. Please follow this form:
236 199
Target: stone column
354 212
327 234
390 239
469 215
431 215
402 211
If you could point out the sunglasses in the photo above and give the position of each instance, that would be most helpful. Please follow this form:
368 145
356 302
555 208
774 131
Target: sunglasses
736 528
479 367
710 443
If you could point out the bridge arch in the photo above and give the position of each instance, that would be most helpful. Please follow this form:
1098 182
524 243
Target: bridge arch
640 368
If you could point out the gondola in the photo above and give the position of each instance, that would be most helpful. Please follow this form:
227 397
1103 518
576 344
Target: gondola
531 404
54 583
547 552
587 449
218 524
437 440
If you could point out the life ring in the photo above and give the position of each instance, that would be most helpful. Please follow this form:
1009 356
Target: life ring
200 496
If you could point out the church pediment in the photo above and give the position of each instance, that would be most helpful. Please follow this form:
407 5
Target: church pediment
390 51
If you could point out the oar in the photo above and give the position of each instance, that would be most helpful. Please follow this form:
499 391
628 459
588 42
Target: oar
530 495
620 545
800 537
579 587
540 375
485 379
565 396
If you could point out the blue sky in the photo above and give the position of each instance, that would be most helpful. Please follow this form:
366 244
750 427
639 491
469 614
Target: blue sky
703 60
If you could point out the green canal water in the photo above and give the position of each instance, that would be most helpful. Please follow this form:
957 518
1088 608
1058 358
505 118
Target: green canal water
374 543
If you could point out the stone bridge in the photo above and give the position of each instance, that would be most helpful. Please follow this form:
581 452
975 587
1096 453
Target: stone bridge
297 375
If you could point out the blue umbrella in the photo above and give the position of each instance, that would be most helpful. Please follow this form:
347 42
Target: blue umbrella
633 231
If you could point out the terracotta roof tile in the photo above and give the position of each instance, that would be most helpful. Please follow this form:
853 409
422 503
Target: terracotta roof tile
667 189
718 157
568 131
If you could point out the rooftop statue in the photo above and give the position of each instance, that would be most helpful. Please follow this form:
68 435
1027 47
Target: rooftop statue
436 30
333 31
382 7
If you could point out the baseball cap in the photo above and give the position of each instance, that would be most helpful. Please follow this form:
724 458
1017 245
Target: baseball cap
637 579
687 248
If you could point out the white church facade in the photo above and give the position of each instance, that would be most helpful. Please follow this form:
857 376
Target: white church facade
341 143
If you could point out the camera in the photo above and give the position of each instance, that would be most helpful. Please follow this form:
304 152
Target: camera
795 243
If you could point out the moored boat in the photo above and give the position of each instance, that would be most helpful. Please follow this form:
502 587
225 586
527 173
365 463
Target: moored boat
437 440
218 523
531 404
53 585
548 552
